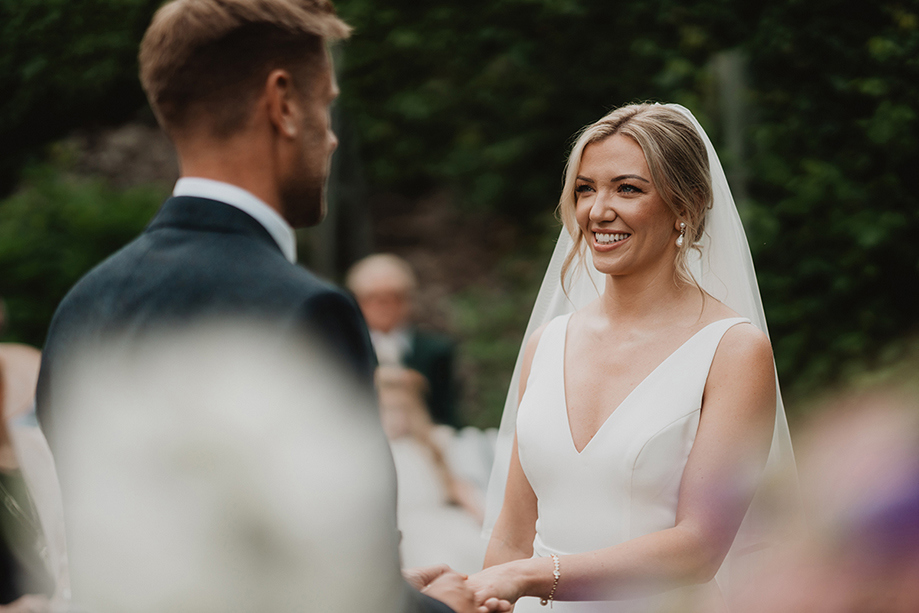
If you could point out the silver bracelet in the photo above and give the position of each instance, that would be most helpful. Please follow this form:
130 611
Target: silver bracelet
556 573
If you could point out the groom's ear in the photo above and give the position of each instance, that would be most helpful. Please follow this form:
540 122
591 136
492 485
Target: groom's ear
282 103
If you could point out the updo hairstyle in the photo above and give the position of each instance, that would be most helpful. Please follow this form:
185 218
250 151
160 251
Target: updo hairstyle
679 168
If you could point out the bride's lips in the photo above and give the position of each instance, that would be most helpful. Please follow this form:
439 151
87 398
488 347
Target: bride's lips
606 241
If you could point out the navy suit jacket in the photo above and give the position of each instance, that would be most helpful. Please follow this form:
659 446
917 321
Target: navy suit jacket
201 259
198 260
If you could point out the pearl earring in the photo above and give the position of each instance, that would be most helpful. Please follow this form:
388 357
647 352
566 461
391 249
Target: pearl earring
679 239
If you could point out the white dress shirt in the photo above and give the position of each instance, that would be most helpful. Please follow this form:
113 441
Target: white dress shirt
246 202
391 347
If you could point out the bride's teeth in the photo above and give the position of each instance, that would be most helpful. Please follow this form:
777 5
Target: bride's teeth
610 238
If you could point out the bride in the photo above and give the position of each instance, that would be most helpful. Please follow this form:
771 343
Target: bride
648 415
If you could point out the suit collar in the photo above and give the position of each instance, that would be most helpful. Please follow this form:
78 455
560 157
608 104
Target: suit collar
205 215
248 203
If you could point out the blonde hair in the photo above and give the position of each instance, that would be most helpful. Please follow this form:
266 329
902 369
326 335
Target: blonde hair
679 168
206 60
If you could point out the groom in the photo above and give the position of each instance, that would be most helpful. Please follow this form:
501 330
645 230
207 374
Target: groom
243 89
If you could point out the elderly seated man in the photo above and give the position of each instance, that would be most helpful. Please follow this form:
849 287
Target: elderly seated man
384 286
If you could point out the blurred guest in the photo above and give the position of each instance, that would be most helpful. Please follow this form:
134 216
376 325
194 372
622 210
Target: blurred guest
384 286
33 562
439 513
859 463
233 488
19 364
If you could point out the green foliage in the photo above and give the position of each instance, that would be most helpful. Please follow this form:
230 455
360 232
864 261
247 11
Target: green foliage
835 182
52 231
491 319
63 65
484 95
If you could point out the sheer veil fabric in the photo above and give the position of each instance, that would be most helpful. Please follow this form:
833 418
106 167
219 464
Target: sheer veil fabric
725 270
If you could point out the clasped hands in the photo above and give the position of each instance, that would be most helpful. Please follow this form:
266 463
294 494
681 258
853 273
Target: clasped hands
478 593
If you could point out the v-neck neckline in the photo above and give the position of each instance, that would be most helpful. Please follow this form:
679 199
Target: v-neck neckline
630 394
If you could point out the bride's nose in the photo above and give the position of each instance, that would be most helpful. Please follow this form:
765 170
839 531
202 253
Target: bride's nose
602 209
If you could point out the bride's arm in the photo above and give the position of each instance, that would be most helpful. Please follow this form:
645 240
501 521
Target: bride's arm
719 480
515 528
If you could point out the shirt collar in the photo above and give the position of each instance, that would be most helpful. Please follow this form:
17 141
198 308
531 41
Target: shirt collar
246 202
391 347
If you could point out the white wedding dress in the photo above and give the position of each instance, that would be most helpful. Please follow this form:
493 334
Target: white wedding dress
625 482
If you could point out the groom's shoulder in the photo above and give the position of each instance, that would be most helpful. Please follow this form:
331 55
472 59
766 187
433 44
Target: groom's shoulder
112 272
143 279
300 288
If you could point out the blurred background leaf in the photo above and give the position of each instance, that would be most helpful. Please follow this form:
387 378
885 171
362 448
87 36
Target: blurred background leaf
53 231
65 64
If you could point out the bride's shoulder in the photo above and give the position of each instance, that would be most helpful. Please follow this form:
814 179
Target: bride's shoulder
743 358
745 339
741 379
714 310
742 372
742 342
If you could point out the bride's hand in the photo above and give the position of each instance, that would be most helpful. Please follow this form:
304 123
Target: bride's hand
504 582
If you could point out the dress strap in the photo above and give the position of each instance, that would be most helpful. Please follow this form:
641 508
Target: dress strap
551 348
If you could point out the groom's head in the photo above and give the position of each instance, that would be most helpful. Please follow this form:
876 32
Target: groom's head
203 63
214 70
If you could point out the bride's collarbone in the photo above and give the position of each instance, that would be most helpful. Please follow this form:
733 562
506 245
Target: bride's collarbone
604 366
602 336
630 348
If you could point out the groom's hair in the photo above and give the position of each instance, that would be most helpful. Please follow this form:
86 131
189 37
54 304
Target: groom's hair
204 62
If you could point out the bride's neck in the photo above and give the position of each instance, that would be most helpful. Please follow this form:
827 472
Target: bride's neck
644 298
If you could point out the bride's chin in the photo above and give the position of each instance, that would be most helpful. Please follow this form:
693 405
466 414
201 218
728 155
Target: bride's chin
606 265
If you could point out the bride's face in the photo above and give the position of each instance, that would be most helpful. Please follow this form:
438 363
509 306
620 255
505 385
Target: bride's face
622 216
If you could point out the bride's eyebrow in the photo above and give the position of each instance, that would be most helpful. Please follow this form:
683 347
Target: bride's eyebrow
623 177
585 179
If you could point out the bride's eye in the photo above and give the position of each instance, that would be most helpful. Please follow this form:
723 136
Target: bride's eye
582 189
628 188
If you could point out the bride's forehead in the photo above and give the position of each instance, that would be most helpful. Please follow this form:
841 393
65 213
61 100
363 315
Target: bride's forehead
618 154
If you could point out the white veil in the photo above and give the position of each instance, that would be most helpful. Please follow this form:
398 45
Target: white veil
724 270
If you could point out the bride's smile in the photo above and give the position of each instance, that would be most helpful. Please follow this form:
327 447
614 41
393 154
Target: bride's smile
620 212
605 238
